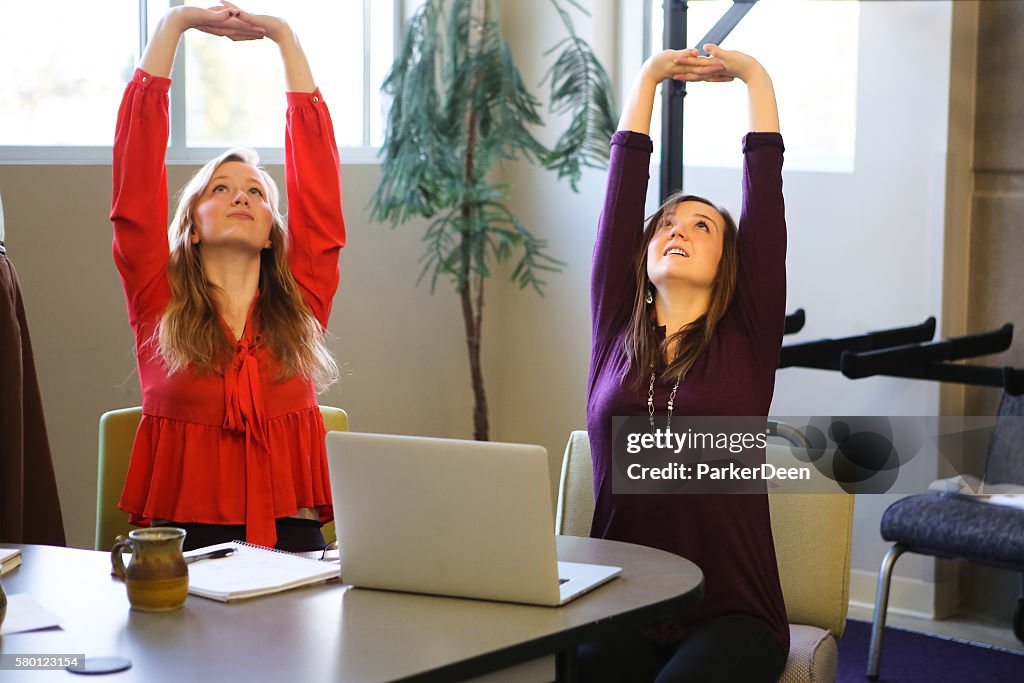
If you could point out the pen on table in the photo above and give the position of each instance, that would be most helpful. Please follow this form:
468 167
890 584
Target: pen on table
212 555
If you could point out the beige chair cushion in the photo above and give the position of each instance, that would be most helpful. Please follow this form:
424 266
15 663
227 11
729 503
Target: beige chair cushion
812 534
813 656
576 488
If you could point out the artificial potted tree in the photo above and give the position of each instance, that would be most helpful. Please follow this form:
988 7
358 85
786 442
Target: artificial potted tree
459 108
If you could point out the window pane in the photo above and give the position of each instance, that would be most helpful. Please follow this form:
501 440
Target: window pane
382 53
817 97
62 79
155 10
235 90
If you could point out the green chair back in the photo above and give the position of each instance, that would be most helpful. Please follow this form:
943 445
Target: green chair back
335 420
117 434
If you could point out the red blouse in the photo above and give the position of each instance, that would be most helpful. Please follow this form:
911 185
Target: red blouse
242 447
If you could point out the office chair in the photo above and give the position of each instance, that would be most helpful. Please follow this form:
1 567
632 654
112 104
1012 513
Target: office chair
117 434
958 528
812 534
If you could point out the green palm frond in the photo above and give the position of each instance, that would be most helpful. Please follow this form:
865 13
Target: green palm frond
411 139
580 87
459 107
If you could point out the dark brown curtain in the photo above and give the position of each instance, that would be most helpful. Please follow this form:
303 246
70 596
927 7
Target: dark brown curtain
29 507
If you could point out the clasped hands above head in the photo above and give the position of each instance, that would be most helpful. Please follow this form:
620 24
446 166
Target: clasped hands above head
688 65
230 21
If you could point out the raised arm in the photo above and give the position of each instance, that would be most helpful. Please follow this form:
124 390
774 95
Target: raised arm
139 201
158 57
761 280
316 225
620 228
681 65
298 77
764 112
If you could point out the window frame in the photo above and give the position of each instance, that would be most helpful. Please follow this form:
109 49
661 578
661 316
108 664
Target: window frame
178 152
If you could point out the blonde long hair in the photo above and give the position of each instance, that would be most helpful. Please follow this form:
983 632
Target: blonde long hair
190 332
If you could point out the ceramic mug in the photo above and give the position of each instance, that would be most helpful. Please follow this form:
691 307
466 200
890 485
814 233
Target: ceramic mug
157 576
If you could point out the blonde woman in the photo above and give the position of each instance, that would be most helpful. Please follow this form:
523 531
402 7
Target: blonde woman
229 307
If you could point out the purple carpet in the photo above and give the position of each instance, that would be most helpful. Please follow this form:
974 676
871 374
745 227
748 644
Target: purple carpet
917 658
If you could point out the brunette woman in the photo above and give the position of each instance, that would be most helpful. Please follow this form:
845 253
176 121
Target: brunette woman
688 315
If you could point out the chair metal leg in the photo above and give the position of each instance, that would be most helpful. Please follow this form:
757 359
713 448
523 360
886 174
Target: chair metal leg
881 604
1018 614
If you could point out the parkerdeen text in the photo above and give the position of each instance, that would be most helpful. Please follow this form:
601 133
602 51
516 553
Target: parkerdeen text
661 439
717 472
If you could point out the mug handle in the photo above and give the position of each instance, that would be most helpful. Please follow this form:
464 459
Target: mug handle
116 561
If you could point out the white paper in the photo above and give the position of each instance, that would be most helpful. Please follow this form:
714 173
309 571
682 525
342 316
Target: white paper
1009 500
25 614
970 485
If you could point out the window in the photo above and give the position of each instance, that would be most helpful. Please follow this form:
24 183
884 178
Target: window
61 94
810 50
61 79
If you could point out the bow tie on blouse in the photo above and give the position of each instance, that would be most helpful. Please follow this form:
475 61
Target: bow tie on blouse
243 394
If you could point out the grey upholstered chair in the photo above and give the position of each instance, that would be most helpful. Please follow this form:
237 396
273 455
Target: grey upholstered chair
956 527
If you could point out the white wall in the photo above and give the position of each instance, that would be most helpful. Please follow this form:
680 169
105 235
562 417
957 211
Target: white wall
866 250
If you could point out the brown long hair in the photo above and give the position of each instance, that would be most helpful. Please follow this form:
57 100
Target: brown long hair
643 348
190 332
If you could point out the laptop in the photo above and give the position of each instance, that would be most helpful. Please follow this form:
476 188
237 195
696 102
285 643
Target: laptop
449 517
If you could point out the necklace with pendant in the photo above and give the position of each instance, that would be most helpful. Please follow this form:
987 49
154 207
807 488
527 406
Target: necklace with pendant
671 399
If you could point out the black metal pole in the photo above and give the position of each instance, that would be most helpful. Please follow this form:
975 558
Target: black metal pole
672 94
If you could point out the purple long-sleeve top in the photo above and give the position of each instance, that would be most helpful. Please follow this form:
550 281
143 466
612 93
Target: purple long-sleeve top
728 536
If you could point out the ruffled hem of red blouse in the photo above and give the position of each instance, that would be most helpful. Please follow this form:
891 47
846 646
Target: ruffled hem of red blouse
190 472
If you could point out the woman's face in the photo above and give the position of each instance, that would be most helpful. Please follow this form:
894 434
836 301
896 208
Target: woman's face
234 209
687 247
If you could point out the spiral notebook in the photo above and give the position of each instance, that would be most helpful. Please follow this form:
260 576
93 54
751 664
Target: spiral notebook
252 571
9 559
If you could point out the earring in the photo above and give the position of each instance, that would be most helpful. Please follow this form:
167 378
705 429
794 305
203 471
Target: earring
650 297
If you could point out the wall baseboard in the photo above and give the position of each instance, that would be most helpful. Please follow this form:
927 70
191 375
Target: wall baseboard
907 597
